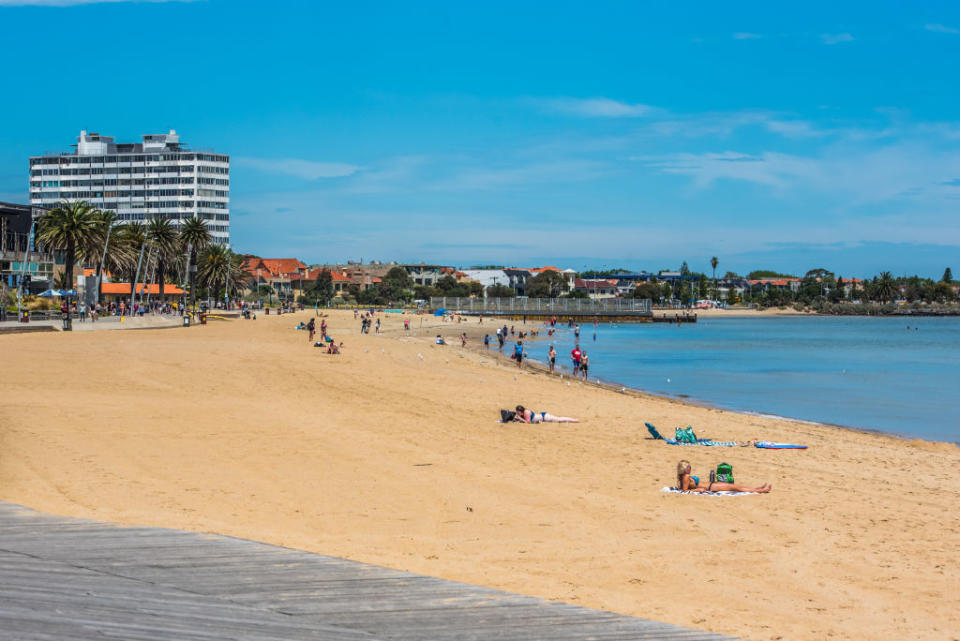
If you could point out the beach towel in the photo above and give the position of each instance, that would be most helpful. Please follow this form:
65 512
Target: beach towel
778 446
704 442
673 490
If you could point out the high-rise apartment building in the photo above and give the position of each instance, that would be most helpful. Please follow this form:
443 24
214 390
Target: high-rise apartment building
159 177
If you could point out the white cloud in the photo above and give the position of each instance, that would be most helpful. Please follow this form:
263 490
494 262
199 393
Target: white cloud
940 28
596 107
746 35
69 3
306 169
543 172
836 38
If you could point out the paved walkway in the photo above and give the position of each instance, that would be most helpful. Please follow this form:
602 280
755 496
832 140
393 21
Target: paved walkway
67 579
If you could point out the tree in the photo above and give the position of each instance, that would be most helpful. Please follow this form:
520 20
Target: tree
134 237
194 237
943 292
884 287
500 291
164 240
68 227
219 270
713 263
947 276
647 290
684 269
399 277
323 287
547 284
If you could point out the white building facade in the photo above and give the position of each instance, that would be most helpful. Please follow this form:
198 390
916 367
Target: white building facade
156 178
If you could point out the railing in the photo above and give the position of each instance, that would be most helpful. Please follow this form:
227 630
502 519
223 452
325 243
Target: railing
577 306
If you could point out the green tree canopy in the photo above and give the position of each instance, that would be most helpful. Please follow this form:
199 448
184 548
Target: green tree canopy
547 284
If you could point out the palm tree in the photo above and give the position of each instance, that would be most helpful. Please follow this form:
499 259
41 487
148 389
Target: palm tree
885 287
164 239
220 270
194 237
134 238
713 263
99 246
68 227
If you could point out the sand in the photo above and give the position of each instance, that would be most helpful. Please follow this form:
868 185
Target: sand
391 453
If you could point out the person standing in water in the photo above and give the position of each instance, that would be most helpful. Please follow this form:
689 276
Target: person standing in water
552 359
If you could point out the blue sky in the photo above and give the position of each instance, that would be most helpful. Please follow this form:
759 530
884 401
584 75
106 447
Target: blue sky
621 134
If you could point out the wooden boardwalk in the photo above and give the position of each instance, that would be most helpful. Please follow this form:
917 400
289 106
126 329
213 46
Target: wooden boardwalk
65 579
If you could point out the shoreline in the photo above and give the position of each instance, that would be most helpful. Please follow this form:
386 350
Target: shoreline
620 387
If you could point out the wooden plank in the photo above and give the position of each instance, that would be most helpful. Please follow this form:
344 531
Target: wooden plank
70 579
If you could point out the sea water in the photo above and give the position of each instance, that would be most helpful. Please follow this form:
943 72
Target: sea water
863 372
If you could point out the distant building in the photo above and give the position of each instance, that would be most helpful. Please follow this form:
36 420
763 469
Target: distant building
157 178
16 257
596 287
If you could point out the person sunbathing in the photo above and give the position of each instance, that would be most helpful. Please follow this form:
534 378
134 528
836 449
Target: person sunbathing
529 416
687 482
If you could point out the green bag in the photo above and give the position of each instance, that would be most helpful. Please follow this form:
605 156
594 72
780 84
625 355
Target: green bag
725 473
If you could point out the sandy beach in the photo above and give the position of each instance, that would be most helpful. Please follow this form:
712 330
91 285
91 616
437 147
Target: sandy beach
391 453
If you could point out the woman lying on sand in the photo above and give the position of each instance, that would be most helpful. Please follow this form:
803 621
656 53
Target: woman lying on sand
690 483
529 416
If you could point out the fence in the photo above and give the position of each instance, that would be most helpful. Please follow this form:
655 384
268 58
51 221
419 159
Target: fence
551 306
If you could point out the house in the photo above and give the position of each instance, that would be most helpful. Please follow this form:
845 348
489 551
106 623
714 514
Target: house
283 275
596 287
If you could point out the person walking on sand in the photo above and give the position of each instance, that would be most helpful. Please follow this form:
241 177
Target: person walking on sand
584 364
406 324
518 353
486 341
323 329
552 359
575 355
378 325
312 329
463 340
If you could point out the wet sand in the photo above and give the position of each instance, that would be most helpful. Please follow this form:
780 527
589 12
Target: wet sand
391 453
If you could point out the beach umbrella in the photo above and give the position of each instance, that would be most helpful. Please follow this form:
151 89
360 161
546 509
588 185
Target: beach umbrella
440 312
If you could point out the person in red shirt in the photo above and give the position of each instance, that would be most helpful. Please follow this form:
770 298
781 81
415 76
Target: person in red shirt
575 356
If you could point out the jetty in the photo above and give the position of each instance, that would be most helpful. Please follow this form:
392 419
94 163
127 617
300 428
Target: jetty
65 578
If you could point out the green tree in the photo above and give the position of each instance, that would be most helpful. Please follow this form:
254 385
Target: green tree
885 289
547 284
69 227
164 240
647 290
134 237
399 277
684 269
947 276
323 287
943 292
220 271
713 263
194 238
500 291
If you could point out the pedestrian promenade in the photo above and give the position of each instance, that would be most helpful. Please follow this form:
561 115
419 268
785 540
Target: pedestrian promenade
73 579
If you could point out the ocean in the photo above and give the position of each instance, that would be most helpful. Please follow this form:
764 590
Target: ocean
862 372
